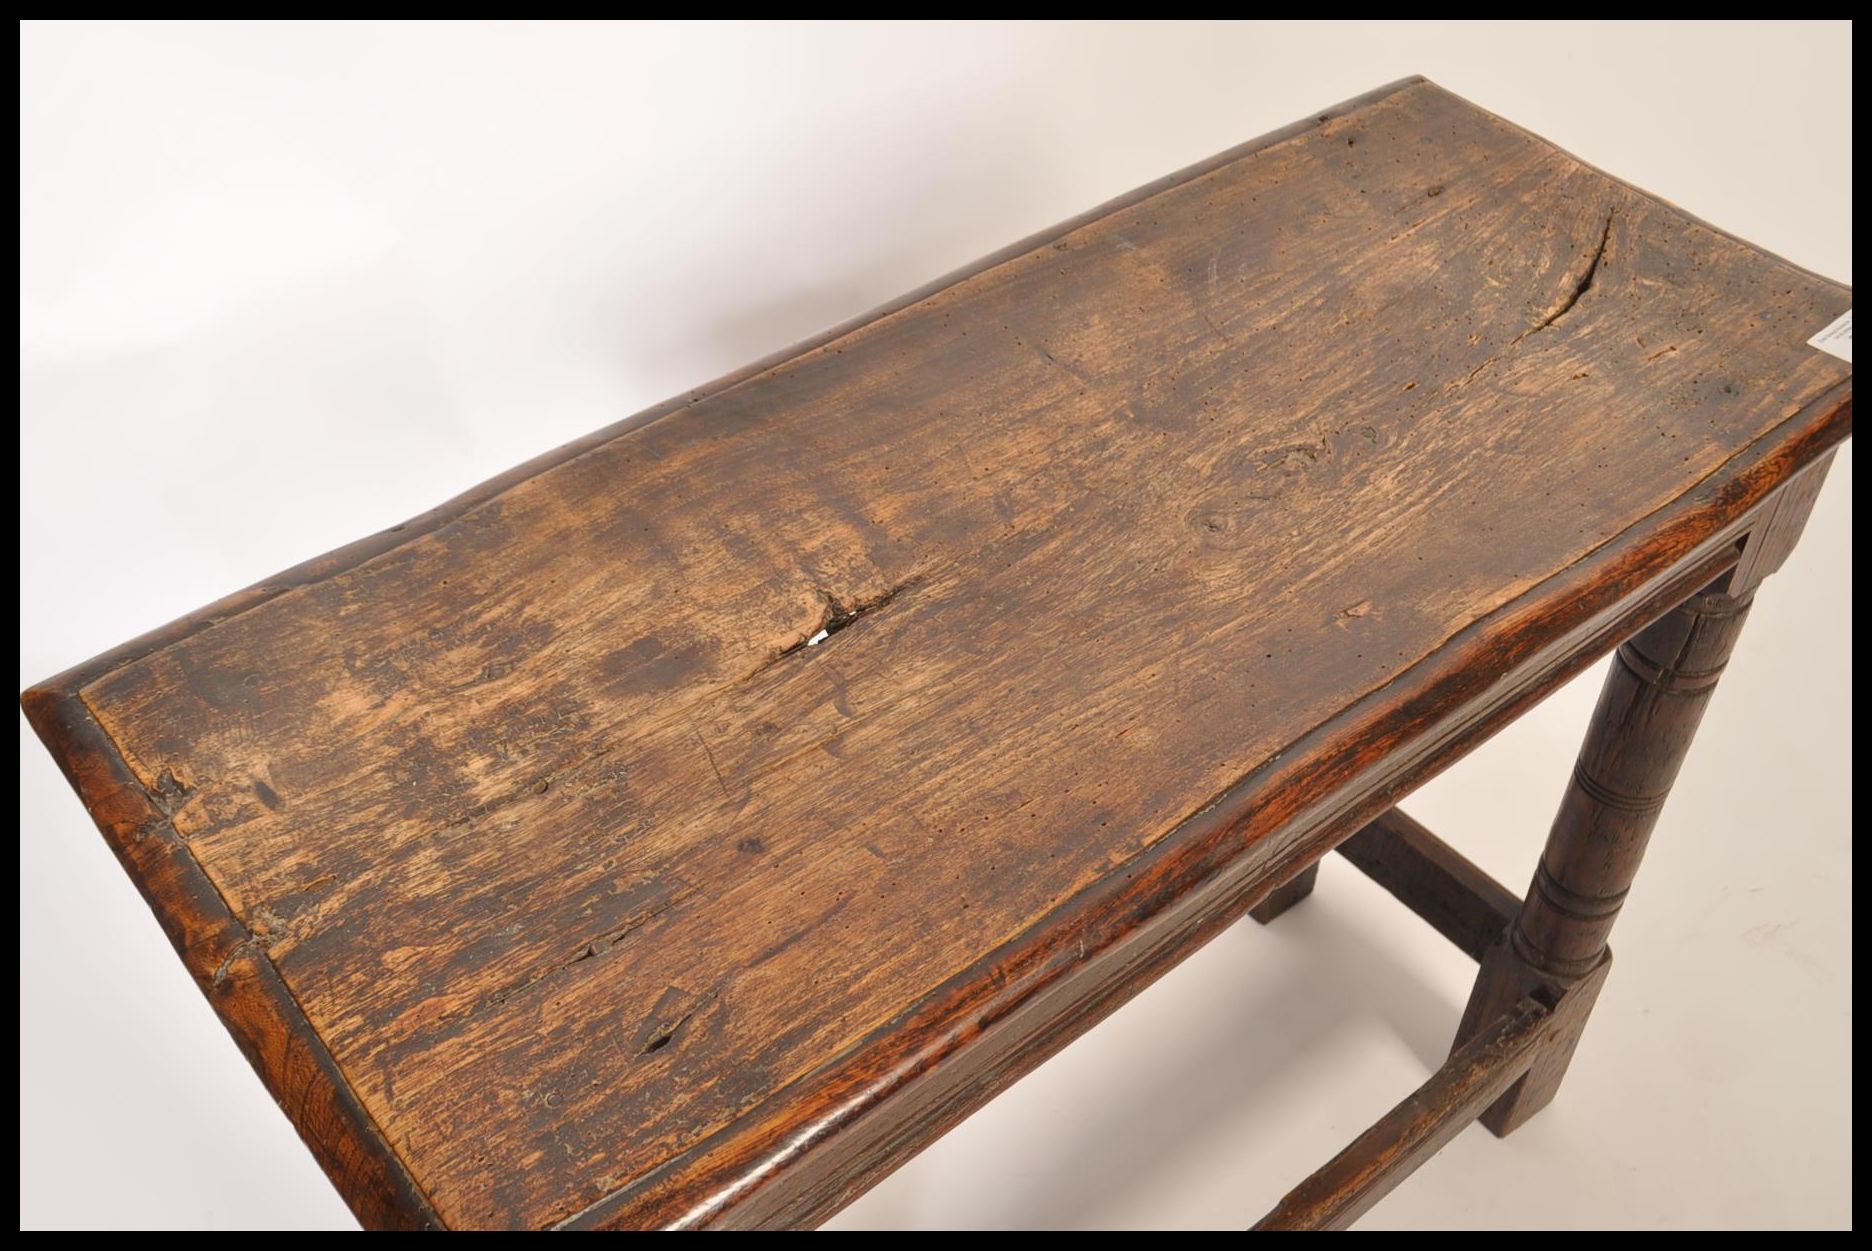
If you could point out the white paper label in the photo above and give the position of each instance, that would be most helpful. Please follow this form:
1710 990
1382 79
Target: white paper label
1836 339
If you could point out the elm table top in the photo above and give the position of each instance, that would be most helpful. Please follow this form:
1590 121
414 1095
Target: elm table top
550 871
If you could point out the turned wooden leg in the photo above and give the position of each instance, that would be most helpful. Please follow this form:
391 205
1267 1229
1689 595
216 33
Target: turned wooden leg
1286 895
1654 696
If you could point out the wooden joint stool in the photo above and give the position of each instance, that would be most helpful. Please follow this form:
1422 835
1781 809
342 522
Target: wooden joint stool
687 827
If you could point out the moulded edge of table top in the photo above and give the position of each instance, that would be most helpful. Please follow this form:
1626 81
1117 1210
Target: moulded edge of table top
946 1060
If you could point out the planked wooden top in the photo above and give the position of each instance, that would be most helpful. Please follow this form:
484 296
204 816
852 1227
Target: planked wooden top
551 871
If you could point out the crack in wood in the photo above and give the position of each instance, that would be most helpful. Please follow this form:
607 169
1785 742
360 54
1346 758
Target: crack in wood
1581 287
662 1039
675 1008
1565 305
834 617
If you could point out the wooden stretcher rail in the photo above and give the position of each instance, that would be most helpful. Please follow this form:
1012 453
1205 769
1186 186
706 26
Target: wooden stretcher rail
1434 880
1384 1155
686 829
1472 910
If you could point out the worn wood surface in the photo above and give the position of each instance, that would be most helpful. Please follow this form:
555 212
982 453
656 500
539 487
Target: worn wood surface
1145 556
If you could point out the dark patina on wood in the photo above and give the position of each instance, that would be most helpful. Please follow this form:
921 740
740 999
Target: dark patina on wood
686 827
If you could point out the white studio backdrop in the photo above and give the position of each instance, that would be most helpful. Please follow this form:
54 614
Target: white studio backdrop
283 285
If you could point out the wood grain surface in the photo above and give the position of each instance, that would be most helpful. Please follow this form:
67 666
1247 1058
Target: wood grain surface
615 843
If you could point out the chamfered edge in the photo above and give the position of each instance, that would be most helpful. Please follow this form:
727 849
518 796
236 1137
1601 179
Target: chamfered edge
226 960
739 1175
229 963
230 966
